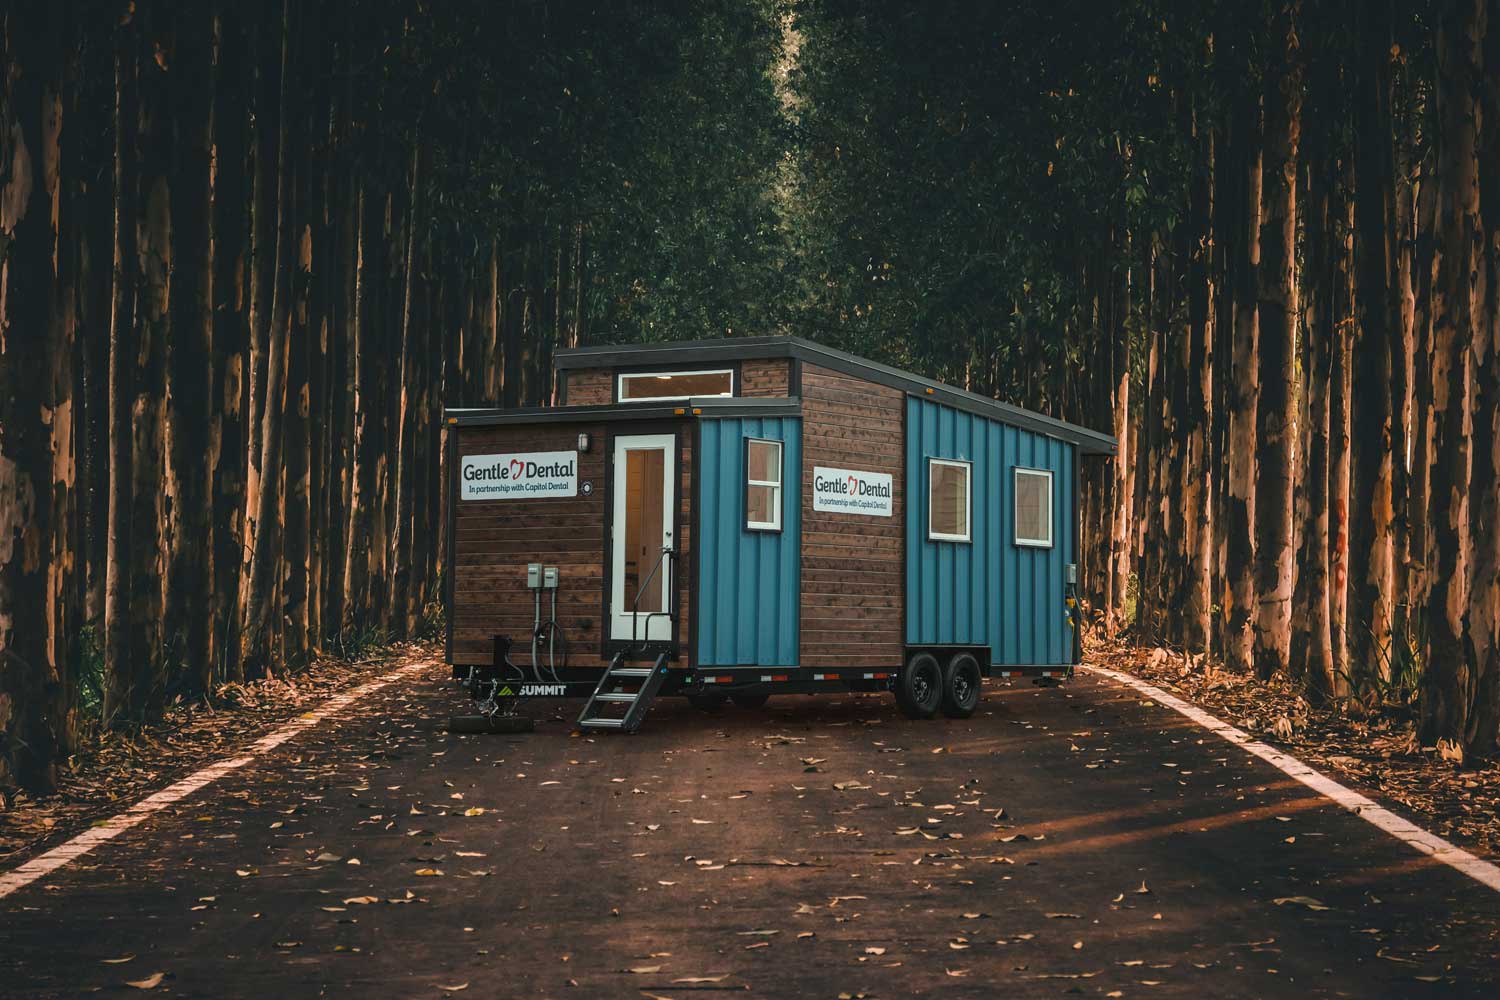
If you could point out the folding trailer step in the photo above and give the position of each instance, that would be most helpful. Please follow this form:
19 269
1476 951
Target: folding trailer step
635 702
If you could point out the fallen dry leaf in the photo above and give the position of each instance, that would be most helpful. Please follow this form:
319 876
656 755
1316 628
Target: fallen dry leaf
151 982
1307 901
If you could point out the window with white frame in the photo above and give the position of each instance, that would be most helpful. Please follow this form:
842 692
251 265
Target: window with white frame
642 387
1034 508
948 501
762 485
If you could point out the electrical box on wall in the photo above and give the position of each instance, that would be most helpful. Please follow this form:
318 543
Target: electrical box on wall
1072 574
549 578
533 575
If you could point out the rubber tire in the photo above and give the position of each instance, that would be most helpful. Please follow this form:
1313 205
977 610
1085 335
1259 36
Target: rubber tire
750 700
961 671
919 687
707 701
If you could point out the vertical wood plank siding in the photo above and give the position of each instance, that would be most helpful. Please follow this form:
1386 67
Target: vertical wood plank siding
851 563
990 591
495 539
747 600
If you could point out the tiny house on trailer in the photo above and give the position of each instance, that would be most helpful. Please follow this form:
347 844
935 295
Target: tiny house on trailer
732 519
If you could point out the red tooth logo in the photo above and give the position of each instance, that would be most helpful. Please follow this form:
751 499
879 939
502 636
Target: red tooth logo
516 465
852 482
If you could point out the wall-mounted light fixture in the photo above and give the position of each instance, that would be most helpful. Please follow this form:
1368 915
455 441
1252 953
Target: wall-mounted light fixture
583 441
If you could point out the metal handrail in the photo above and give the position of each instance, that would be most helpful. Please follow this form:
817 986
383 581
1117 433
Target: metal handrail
666 553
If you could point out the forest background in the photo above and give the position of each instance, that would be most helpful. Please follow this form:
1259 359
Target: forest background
250 250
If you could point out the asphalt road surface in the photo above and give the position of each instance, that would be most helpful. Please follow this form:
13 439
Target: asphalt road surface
1080 841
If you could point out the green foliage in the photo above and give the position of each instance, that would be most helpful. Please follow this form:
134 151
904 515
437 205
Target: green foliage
656 129
1390 677
960 165
88 673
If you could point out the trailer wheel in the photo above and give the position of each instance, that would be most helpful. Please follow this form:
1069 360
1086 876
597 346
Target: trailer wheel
919 688
706 701
750 700
962 685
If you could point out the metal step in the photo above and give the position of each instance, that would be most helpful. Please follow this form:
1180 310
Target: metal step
636 702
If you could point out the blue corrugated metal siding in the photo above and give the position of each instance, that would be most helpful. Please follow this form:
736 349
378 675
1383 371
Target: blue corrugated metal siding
988 592
749 582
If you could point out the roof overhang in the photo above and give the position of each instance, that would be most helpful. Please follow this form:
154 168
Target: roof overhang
1088 442
688 409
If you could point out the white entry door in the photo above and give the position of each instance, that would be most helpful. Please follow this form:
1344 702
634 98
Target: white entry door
642 476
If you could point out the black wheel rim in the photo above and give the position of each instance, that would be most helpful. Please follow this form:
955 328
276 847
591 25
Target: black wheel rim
962 687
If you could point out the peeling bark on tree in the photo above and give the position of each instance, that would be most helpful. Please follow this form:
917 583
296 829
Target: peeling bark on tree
28 674
1244 401
1450 680
1276 418
1371 551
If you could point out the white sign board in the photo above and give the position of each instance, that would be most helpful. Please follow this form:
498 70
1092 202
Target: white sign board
530 476
849 491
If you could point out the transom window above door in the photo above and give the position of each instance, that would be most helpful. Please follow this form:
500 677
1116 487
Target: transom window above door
641 387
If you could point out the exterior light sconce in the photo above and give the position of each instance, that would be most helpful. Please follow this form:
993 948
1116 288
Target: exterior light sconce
583 441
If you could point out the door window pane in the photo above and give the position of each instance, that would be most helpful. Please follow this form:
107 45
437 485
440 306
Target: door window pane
644 509
948 500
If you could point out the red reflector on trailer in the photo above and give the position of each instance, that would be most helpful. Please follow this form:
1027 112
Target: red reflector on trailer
779 677
723 680
882 677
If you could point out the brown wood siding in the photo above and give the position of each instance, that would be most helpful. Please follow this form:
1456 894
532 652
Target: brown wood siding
495 539
758 377
590 386
852 564
765 377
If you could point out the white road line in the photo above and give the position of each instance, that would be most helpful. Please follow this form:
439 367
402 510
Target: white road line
45 864
1362 806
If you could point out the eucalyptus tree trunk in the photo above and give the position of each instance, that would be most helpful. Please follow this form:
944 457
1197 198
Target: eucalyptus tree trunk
188 586
1312 639
1339 430
1421 438
29 119
1371 552
120 669
1244 397
1481 734
154 650
402 473
1276 414
362 471
1450 680
263 525
1121 515
231 341
1195 596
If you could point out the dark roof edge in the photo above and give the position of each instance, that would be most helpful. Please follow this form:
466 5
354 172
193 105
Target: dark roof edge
723 349
711 407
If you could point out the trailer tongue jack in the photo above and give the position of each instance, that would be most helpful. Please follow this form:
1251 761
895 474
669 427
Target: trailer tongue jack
496 689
